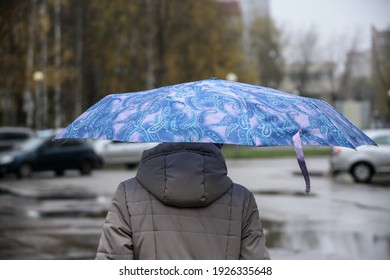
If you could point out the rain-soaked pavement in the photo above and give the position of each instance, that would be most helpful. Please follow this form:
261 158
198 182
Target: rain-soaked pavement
46 217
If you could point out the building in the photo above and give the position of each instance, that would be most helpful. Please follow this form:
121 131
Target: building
317 81
355 80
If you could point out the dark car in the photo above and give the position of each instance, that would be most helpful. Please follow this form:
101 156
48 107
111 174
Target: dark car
42 154
9 136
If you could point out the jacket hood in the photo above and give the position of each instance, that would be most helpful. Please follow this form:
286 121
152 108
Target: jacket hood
184 174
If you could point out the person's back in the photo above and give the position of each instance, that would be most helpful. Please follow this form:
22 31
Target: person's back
182 205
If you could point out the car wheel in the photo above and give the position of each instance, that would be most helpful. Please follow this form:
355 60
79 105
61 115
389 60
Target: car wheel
131 165
362 172
86 167
24 170
59 172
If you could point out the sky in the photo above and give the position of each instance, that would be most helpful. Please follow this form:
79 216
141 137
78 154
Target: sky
333 18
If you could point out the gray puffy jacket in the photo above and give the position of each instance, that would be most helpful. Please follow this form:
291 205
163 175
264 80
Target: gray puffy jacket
182 205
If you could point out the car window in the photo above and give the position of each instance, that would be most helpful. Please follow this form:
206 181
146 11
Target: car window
71 143
51 144
13 136
62 144
30 144
382 140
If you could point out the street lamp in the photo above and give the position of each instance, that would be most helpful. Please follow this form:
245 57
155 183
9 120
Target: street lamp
231 77
388 105
38 78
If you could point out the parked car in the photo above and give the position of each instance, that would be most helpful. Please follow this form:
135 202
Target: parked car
115 152
367 160
9 136
42 154
50 132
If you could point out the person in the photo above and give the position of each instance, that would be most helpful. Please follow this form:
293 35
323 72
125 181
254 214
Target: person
181 205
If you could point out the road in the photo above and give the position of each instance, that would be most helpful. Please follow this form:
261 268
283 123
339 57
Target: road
46 217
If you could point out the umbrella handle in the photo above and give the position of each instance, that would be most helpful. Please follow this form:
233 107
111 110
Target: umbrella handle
301 159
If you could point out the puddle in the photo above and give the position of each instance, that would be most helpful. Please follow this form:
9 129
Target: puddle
273 232
64 203
66 213
65 195
4 191
379 180
49 194
283 192
319 240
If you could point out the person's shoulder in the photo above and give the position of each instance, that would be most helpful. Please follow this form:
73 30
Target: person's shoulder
131 182
240 188
133 190
241 191
242 197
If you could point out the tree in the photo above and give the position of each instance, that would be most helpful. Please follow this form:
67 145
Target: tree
14 19
381 73
305 47
266 49
88 49
199 44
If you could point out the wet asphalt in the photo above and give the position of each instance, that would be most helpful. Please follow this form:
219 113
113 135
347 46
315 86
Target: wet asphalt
48 217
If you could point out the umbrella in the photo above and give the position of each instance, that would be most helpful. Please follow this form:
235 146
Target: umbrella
218 111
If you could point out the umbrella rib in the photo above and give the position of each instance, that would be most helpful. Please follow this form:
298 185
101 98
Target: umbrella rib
330 120
244 101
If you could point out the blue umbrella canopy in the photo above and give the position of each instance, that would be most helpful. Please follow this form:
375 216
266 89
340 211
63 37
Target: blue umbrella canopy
218 111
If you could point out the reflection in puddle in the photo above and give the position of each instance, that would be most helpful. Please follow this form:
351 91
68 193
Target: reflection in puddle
67 213
319 240
283 192
52 226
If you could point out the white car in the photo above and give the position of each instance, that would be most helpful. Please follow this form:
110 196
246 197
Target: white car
366 161
115 152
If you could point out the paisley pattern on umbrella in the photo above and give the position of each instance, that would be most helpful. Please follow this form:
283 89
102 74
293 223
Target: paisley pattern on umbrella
216 111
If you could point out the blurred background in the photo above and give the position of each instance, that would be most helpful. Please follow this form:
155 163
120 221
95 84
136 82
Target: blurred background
58 57
61 56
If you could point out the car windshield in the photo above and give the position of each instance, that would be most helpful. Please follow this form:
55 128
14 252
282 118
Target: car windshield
30 144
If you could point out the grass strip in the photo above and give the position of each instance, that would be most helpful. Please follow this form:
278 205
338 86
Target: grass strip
237 152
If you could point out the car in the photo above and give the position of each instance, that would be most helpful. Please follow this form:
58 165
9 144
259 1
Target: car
9 136
50 132
116 152
366 161
42 154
